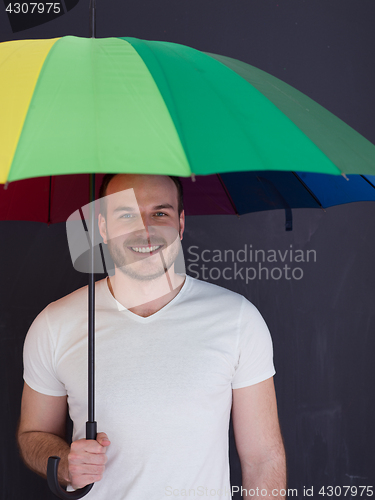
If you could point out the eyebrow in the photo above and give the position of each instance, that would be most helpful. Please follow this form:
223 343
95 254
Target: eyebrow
124 209
132 209
164 205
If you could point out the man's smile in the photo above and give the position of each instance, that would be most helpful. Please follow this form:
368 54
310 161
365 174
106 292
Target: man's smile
151 250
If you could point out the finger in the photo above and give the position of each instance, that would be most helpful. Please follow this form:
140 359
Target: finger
86 459
88 446
83 447
78 470
98 459
84 479
95 448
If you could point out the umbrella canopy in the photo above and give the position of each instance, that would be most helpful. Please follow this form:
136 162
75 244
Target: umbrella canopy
54 198
76 105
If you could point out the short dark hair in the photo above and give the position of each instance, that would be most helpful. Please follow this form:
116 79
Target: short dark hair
108 177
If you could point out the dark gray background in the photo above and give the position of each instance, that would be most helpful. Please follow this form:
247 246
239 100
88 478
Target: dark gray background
322 325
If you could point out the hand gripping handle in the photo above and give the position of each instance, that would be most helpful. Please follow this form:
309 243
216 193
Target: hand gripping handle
52 472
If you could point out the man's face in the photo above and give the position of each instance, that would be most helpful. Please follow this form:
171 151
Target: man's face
142 228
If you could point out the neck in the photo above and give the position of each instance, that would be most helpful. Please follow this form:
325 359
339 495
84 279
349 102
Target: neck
145 297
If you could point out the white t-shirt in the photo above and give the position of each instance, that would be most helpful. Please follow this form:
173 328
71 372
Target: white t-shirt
163 384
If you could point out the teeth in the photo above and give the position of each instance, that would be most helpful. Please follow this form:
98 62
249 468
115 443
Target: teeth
145 249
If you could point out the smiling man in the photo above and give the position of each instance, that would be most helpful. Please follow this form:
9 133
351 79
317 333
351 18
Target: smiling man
142 223
174 356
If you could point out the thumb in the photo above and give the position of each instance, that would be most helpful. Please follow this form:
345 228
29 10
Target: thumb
102 439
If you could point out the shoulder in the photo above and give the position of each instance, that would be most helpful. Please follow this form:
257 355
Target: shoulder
74 304
72 300
219 298
211 293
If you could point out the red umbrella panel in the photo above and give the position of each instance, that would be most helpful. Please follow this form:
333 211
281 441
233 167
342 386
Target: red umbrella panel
54 199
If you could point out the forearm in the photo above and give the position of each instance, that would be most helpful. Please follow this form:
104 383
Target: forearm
269 475
36 447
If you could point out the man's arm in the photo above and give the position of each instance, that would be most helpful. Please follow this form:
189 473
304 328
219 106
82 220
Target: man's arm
258 438
41 434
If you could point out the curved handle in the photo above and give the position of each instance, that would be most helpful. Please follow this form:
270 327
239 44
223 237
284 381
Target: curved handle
52 474
53 483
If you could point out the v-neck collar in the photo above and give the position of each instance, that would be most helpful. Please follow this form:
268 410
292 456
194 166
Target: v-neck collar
142 319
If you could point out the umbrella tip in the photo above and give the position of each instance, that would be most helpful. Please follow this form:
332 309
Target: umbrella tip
192 177
345 177
6 185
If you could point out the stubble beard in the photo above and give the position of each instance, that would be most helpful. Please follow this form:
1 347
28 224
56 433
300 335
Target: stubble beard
138 270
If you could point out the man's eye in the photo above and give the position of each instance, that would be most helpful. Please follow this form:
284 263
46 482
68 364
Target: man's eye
131 216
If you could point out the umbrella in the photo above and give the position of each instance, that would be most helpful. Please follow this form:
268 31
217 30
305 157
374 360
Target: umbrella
198 114
75 106
52 199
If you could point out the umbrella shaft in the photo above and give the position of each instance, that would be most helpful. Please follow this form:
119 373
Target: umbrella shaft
92 18
91 325
91 350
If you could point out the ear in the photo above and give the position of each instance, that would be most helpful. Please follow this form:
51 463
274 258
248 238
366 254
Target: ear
182 224
102 228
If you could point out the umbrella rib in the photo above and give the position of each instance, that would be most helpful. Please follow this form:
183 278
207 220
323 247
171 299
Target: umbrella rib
85 226
228 195
308 189
49 200
103 259
371 184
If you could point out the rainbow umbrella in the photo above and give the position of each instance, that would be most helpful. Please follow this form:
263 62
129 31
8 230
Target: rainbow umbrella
74 105
77 105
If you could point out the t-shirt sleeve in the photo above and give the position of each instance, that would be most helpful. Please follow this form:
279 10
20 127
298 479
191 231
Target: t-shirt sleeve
254 350
39 371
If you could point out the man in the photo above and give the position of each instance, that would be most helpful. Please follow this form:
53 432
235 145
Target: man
174 355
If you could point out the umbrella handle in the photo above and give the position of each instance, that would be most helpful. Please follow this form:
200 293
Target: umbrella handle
54 486
91 426
52 474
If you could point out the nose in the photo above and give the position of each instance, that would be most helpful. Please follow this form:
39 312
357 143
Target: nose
148 225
